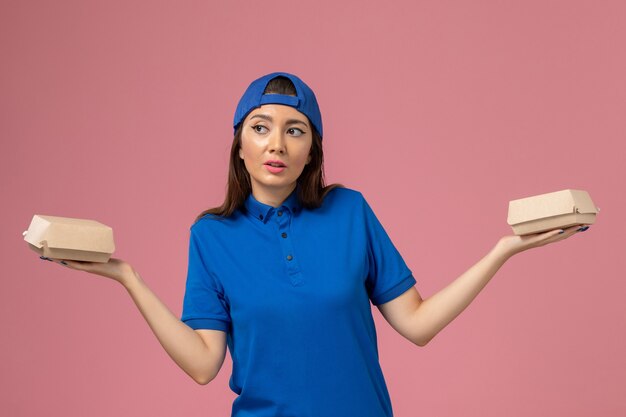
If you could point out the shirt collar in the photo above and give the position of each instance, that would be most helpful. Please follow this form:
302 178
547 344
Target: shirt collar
262 212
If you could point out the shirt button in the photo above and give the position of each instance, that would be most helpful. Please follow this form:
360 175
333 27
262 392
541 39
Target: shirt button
280 213
289 257
284 234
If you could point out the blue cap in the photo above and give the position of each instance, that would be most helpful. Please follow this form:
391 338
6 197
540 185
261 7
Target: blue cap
305 101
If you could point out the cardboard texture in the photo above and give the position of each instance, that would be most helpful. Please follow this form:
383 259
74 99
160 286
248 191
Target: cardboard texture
551 211
69 238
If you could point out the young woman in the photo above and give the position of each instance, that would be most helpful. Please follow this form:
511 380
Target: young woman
284 271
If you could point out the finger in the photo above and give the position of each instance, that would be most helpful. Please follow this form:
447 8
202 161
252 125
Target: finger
570 230
56 260
72 264
555 232
63 262
556 235
582 228
552 233
576 228
567 232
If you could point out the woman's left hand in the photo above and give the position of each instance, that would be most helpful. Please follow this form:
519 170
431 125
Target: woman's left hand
514 244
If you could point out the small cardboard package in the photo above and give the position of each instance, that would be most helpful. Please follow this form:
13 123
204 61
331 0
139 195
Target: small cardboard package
69 238
551 211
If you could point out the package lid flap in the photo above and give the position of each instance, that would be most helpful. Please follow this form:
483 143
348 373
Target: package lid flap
69 233
550 204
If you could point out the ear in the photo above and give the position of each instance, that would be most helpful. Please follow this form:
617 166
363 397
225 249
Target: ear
240 153
308 159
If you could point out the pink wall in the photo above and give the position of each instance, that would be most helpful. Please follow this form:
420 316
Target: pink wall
121 110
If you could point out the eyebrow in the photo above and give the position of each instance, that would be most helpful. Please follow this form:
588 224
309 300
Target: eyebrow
269 118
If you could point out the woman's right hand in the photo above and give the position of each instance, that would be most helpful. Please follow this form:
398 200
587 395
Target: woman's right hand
200 356
115 269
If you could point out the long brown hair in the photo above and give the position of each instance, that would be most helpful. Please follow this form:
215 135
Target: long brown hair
311 189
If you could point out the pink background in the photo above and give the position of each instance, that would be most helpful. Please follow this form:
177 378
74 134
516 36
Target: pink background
439 112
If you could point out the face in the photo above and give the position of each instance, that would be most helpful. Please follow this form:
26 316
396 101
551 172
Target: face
274 132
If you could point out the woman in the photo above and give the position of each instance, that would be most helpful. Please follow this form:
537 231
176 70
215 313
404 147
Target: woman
284 271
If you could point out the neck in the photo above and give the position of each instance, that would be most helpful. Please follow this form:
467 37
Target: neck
272 197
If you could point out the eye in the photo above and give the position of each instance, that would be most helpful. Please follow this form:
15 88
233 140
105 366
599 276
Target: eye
300 132
256 128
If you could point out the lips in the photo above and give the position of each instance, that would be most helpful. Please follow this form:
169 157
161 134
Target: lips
275 163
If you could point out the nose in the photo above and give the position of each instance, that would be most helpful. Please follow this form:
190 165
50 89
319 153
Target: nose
277 141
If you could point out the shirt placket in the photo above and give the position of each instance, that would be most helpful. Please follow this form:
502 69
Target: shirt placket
283 219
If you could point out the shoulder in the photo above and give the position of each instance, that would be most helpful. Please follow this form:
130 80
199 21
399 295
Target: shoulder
342 200
344 195
210 222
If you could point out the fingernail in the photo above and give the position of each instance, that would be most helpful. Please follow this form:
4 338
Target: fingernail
582 229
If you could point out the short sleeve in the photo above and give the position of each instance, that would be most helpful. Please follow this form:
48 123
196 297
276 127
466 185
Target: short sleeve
388 274
204 305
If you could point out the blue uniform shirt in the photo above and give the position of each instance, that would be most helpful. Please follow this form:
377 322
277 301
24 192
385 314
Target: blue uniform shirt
292 287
